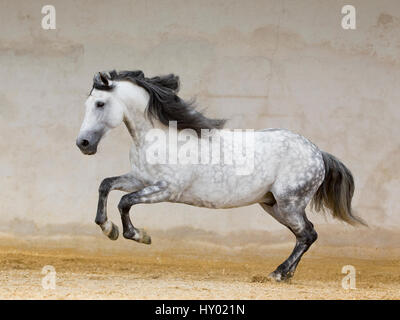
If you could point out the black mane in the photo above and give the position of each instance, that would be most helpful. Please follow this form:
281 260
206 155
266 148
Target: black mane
164 103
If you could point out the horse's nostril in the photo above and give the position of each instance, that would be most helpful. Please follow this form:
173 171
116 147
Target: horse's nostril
84 143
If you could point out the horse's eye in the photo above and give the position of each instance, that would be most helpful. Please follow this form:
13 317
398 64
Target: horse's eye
99 104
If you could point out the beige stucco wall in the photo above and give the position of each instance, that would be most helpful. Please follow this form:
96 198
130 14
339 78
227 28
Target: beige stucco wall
263 64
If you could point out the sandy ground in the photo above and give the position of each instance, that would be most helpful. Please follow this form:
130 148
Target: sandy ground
204 267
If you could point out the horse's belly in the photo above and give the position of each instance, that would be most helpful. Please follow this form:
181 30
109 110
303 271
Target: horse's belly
226 191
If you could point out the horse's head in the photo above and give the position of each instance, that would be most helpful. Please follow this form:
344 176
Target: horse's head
104 111
131 97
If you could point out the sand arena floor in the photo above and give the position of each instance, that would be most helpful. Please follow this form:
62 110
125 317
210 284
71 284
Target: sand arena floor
192 264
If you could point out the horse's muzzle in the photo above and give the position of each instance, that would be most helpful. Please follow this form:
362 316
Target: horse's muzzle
87 143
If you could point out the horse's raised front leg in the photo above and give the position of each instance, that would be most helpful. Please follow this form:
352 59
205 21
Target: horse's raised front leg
151 194
125 183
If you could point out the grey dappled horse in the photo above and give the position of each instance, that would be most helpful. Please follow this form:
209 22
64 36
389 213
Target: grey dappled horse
288 171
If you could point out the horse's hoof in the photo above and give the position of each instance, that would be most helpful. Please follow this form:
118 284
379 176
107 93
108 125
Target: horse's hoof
143 237
110 230
277 276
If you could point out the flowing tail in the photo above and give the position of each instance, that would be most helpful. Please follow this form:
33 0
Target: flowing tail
336 191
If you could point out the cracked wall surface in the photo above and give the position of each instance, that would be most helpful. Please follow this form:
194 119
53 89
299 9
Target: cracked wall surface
286 64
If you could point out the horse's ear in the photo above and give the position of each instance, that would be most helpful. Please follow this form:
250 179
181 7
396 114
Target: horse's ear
102 81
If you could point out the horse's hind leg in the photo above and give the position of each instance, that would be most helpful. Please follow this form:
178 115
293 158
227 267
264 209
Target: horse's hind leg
293 217
125 183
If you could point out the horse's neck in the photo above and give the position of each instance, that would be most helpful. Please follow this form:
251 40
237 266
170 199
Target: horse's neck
135 100
138 126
